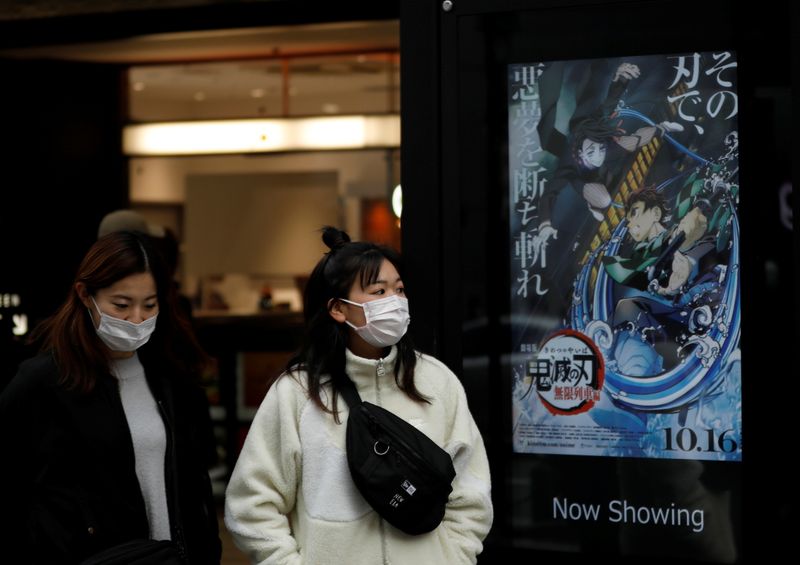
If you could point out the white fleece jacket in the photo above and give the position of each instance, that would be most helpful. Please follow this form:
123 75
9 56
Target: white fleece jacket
291 500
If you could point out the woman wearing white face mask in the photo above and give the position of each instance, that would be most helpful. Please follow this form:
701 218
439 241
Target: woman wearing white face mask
291 499
107 428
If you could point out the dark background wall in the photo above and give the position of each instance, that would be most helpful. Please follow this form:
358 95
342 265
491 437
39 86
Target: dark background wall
61 170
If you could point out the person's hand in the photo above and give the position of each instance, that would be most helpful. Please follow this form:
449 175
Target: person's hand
681 269
694 225
547 232
597 198
627 71
544 233
666 126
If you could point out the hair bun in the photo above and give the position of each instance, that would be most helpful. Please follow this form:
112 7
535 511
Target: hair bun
334 238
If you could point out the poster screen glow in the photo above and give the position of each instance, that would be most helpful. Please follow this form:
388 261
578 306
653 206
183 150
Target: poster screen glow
624 256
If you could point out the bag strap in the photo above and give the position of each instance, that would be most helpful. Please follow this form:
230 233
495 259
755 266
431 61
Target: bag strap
347 389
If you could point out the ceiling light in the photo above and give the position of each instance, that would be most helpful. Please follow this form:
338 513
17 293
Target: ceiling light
397 201
138 86
258 93
199 96
262 136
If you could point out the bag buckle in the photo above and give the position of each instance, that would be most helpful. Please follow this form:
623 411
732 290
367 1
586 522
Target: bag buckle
376 448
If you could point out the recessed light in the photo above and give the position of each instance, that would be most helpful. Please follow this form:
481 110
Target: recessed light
397 201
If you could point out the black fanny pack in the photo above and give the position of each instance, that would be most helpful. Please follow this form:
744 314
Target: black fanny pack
400 471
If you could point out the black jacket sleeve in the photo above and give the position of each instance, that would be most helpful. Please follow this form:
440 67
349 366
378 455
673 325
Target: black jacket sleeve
19 414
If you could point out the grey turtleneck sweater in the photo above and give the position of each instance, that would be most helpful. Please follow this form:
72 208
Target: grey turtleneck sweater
149 441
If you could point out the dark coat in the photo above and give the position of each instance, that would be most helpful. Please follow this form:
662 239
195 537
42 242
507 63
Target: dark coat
67 470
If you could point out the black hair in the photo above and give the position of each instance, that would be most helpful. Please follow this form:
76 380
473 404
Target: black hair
597 129
322 354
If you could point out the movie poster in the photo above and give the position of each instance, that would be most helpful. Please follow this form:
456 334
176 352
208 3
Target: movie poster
624 256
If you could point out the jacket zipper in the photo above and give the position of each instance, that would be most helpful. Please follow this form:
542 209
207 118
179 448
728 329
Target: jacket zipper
171 474
380 371
120 409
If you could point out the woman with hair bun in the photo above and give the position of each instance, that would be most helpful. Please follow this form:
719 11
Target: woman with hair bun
291 499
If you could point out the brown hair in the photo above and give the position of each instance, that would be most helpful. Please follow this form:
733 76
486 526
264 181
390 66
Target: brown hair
650 197
70 333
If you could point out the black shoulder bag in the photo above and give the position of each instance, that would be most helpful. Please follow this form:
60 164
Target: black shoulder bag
400 471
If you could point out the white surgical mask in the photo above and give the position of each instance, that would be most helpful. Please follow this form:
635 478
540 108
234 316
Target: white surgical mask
122 335
386 320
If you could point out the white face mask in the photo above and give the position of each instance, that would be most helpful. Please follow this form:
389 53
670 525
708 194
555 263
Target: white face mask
386 320
122 335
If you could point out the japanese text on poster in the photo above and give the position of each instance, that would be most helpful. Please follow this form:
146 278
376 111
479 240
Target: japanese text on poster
624 247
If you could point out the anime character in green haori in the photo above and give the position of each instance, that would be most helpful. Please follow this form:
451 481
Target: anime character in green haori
671 270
